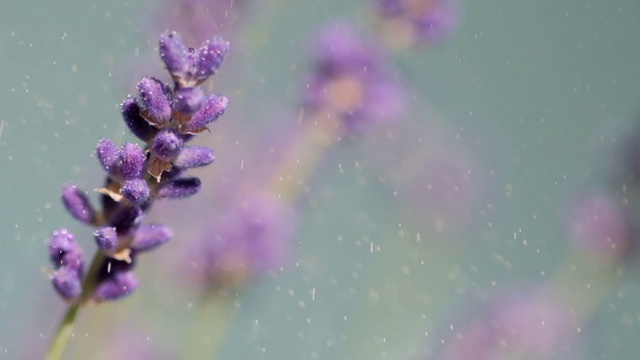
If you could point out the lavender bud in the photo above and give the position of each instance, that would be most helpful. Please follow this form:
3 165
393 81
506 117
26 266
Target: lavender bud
167 144
210 57
133 161
136 123
173 53
67 282
78 204
150 236
64 251
154 100
127 219
136 191
188 100
215 105
180 188
107 238
107 152
119 284
194 156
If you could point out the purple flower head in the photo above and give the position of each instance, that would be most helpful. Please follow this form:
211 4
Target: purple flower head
410 22
116 280
191 67
64 251
133 161
109 156
67 282
107 238
148 237
127 219
167 144
597 223
194 156
136 191
179 188
214 107
351 80
254 237
77 204
188 100
210 57
136 123
155 101
533 327
173 53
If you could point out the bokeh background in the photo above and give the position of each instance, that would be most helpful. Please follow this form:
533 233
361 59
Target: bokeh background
464 227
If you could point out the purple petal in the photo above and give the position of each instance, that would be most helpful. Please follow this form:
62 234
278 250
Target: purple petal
67 282
136 191
64 251
173 53
188 100
120 284
107 238
133 161
78 204
214 106
136 123
154 100
210 57
150 236
194 156
108 154
180 188
167 144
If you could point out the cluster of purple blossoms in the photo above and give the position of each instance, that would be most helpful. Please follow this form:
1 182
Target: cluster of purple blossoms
419 21
351 80
164 117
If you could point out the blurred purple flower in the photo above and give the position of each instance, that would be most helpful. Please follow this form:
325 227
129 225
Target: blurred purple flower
598 224
252 238
351 80
410 22
515 327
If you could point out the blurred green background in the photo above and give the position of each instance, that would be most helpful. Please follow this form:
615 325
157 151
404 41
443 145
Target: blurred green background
535 97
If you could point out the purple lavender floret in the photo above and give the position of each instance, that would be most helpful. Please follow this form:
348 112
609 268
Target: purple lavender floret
68 261
155 101
164 117
78 204
136 123
107 238
179 188
351 80
67 283
194 156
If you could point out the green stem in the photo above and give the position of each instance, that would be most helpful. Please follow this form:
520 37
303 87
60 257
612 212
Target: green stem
65 329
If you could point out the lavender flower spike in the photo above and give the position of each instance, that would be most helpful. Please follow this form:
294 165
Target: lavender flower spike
133 180
78 204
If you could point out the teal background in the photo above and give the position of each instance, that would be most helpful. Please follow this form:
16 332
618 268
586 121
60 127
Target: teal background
541 93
